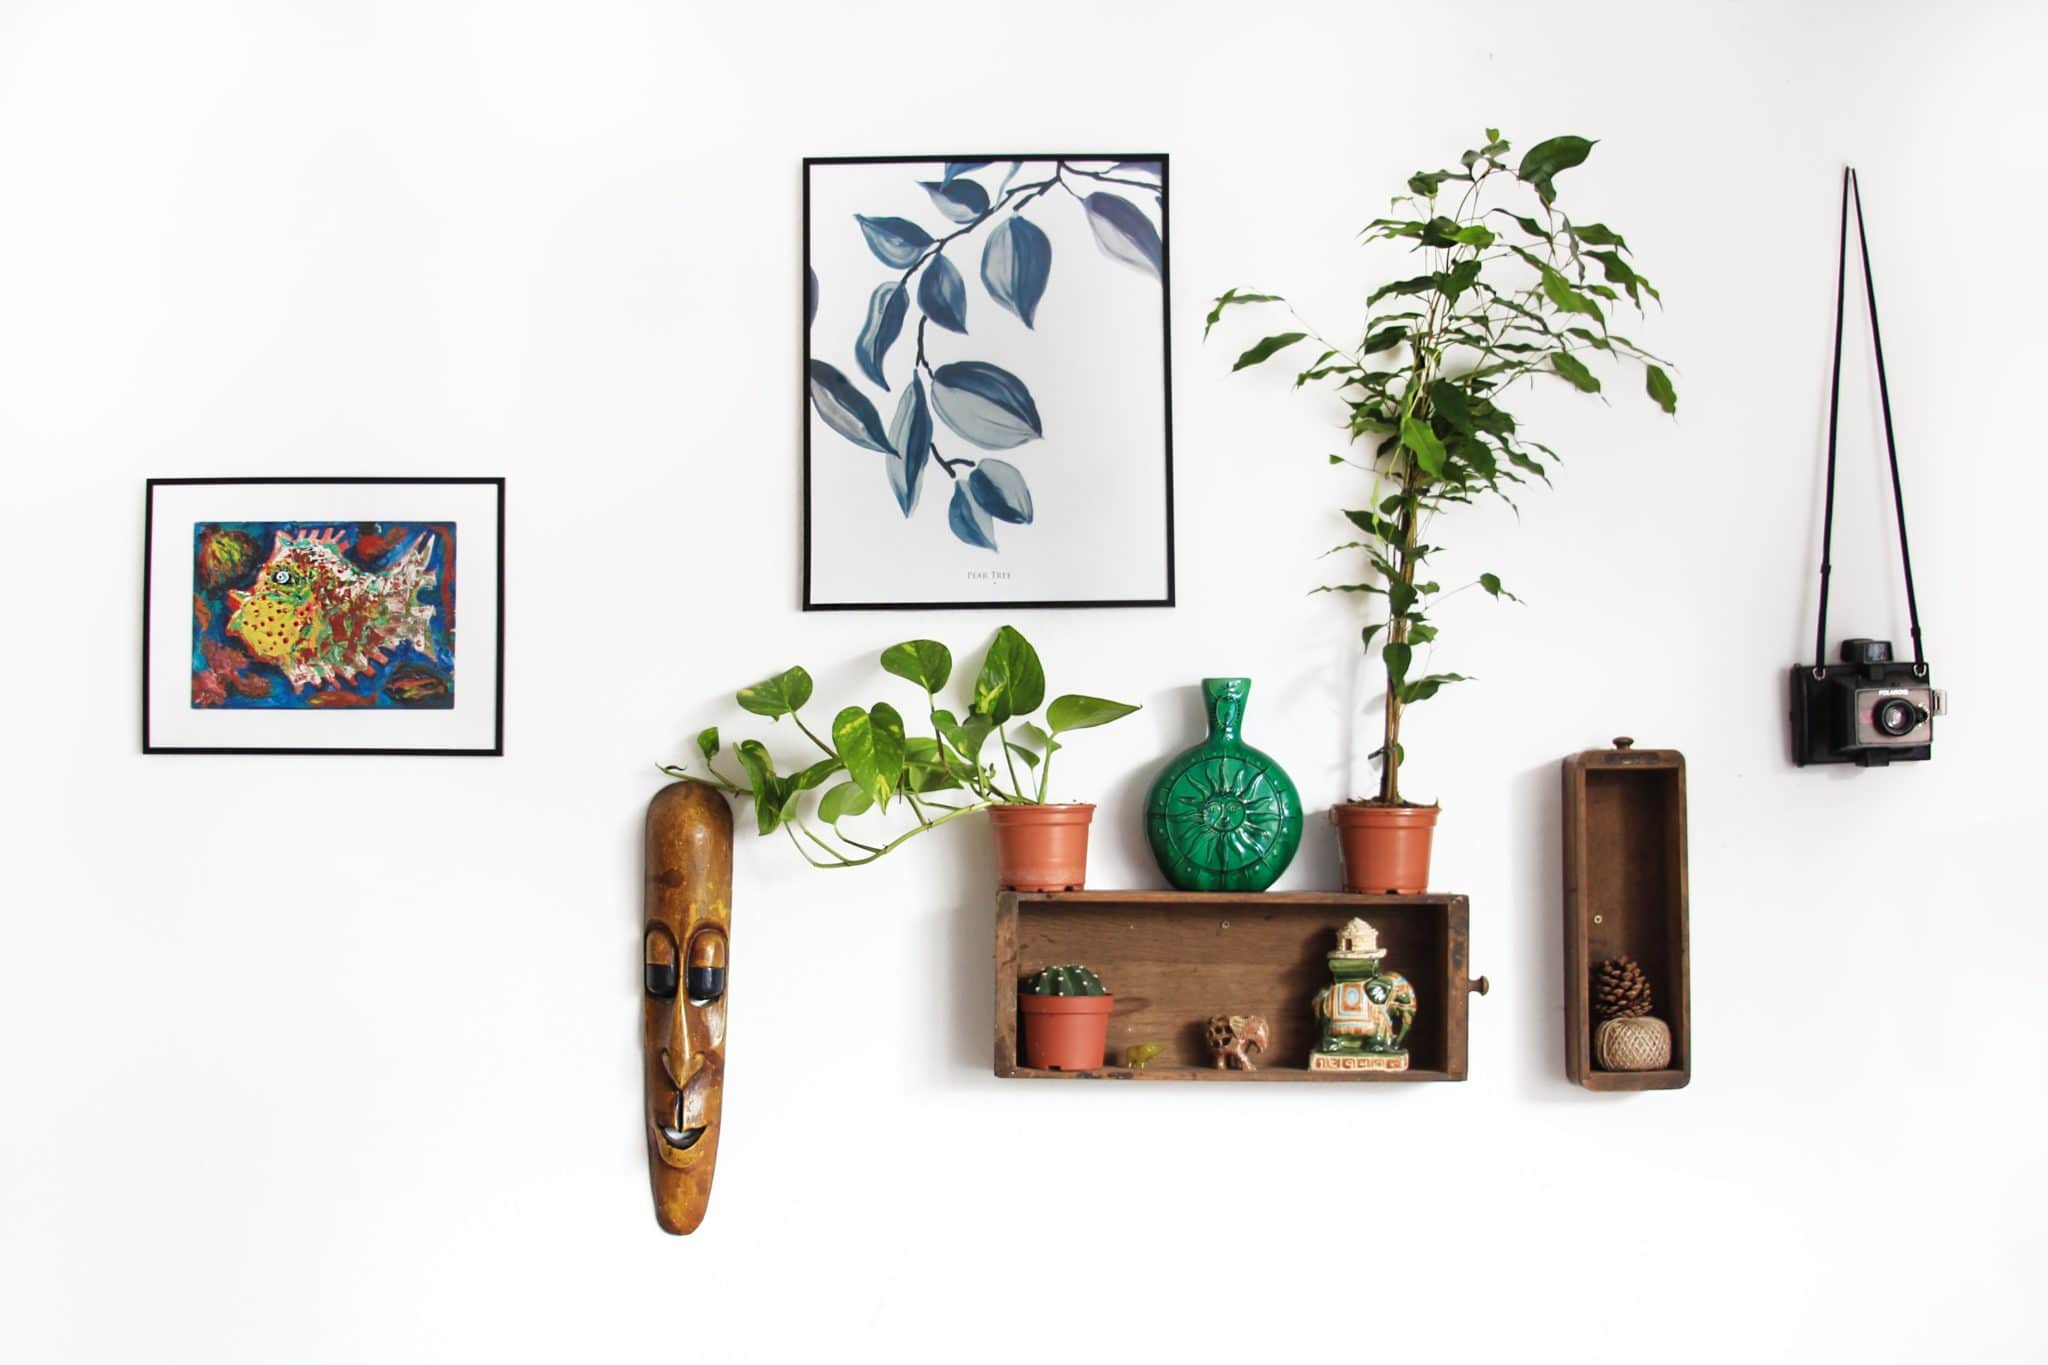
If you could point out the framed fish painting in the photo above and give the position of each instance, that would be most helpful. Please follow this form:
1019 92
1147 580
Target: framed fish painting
324 616
988 400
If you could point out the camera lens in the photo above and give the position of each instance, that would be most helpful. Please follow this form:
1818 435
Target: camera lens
1895 717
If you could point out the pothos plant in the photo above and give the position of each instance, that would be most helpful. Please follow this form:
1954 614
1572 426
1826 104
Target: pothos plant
936 778
1511 288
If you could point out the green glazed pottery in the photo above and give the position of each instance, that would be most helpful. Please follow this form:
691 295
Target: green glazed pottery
1366 1011
1223 816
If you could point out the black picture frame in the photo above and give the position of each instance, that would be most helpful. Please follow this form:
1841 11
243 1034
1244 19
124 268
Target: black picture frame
495 749
1170 599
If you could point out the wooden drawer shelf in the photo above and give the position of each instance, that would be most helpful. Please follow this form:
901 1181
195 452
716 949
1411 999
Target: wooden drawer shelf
1625 895
1172 959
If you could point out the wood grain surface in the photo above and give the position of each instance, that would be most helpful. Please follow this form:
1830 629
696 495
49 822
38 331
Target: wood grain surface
1172 959
1625 895
688 923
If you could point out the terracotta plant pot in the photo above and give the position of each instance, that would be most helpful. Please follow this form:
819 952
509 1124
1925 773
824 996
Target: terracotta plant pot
1386 848
1065 1032
1041 848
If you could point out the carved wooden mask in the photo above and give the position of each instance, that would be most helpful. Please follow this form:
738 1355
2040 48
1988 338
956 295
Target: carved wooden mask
682 1014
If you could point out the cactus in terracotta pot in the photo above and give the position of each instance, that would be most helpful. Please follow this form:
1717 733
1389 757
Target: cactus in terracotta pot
1065 1011
1068 979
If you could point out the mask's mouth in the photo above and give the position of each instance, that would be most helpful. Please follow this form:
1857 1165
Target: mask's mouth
682 1118
680 1139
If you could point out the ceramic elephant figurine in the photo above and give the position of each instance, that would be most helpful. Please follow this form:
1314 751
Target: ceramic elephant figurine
1369 1014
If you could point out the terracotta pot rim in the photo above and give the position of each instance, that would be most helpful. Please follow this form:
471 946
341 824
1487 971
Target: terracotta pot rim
1370 813
1051 813
1066 1004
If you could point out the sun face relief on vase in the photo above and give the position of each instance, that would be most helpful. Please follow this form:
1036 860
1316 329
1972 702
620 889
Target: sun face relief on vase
1223 816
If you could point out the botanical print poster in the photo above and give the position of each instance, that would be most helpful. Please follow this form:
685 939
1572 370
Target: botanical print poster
326 614
986 370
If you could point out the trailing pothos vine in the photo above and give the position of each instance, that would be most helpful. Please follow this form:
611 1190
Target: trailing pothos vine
870 758
1505 295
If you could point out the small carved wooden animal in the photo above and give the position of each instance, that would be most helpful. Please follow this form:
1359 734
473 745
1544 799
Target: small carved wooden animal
1234 1037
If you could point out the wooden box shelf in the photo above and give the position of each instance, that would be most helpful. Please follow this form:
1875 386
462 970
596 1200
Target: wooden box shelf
1172 959
1625 895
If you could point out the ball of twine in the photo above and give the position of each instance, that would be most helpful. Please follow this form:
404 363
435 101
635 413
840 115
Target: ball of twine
1641 1044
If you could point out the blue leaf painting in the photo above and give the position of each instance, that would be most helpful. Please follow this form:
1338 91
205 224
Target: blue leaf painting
963 201
845 408
968 521
943 295
895 241
886 307
1123 231
1015 265
998 487
985 404
978 408
911 435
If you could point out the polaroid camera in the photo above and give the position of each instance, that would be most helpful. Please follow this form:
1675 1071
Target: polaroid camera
1869 709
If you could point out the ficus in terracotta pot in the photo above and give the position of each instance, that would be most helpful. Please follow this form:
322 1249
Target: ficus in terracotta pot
1066 1018
1506 291
870 761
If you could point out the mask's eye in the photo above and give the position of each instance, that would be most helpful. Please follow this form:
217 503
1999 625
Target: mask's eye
281 576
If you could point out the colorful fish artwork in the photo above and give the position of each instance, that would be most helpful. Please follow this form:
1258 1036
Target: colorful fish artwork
323 614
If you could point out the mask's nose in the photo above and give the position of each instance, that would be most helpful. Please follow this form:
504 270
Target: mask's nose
687 985
664 981
704 988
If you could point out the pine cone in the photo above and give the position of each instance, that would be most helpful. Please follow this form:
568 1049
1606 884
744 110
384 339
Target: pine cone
1620 990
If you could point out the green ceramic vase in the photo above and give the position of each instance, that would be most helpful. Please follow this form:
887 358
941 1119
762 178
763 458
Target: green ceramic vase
1223 816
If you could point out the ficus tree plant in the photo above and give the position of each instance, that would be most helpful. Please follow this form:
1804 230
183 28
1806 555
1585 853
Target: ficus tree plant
1509 288
870 760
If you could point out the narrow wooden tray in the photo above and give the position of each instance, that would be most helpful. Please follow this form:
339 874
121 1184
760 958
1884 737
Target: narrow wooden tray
1173 958
1625 894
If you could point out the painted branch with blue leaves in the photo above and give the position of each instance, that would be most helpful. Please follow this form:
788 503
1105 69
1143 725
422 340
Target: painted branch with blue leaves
984 405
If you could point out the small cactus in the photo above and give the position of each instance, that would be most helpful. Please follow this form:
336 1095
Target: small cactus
1068 979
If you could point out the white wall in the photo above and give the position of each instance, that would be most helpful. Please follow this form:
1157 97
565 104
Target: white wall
267 1098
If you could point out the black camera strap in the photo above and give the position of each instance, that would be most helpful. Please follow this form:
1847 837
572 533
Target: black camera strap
1851 189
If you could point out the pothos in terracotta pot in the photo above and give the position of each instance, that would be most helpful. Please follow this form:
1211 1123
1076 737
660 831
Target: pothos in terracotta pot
994 758
1508 288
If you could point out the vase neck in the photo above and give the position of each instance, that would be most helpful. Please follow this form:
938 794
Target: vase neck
1225 698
